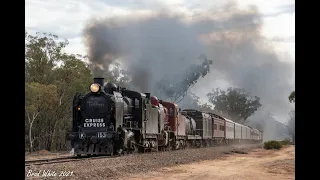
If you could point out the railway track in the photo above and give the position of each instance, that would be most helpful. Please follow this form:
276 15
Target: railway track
61 160
73 158
50 161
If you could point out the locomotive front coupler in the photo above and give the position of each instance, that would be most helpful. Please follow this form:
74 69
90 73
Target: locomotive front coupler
72 136
94 139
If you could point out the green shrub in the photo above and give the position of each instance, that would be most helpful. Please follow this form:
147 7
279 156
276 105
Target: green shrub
286 142
272 145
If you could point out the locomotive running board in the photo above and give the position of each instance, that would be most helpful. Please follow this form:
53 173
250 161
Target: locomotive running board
194 137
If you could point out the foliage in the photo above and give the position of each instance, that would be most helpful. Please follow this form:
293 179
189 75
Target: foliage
291 122
42 53
39 99
277 144
285 142
52 79
272 145
176 91
200 106
235 102
292 97
205 107
192 101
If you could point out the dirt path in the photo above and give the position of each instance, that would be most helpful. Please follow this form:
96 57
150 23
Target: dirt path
259 164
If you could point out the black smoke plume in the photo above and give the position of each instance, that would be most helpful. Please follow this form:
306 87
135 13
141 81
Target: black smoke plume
163 46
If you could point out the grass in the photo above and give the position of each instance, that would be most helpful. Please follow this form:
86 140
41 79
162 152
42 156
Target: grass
277 144
286 142
272 145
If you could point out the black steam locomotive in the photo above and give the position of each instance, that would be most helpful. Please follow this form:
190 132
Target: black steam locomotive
110 120
113 120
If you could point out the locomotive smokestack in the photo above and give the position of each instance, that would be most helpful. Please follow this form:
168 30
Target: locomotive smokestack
98 81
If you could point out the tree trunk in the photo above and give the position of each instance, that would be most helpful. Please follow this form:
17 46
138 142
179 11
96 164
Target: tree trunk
53 134
30 137
31 121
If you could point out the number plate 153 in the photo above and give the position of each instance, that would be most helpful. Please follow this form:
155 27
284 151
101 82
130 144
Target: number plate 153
102 135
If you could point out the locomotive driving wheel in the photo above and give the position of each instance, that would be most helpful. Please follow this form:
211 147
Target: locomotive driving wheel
188 145
136 148
118 152
198 143
177 145
110 149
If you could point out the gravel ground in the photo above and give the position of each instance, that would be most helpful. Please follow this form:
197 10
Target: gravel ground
113 168
43 154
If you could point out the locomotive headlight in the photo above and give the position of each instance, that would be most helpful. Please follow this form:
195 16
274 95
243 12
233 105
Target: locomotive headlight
94 88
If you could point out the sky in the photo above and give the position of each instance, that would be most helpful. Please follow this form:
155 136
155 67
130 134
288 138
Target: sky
67 19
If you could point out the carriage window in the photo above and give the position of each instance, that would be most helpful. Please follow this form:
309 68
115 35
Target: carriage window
136 103
214 126
171 112
221 128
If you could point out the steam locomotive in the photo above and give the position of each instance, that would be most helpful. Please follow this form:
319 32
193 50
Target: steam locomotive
112 120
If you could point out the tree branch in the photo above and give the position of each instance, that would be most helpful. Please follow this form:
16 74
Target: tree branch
28 116
34 117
